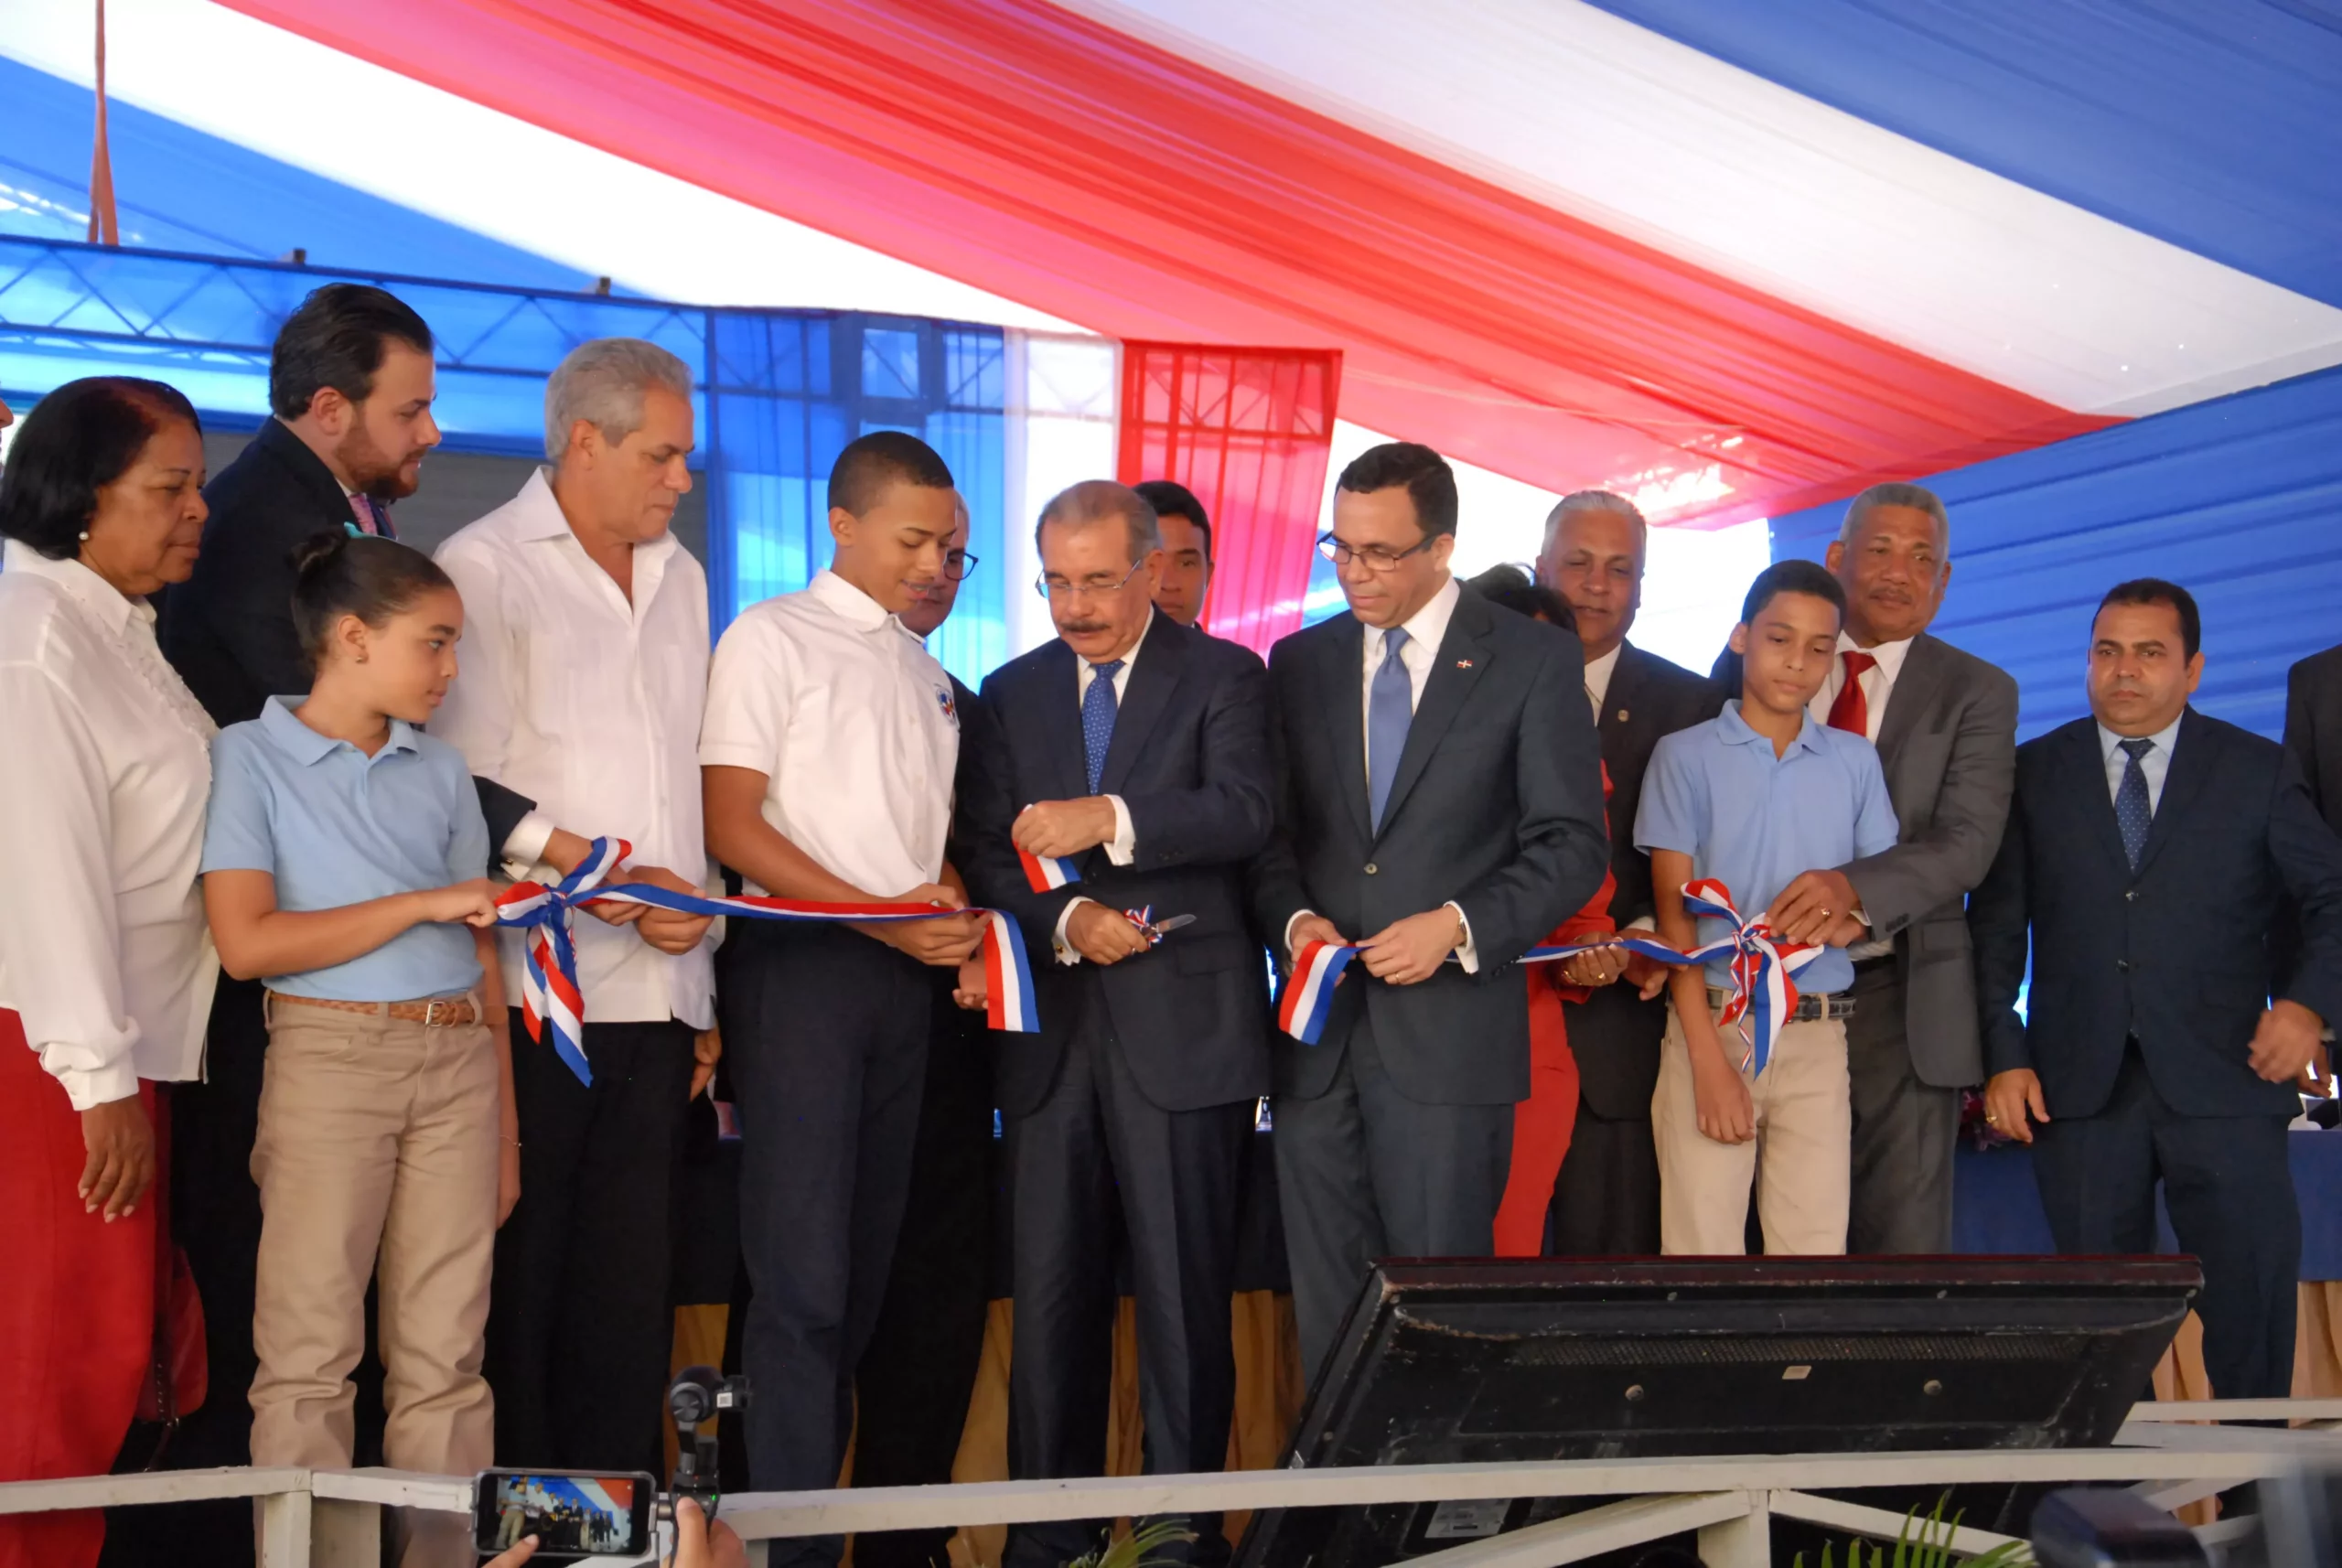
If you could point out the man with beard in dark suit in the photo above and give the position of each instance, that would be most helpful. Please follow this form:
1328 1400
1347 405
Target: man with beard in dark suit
1606 1201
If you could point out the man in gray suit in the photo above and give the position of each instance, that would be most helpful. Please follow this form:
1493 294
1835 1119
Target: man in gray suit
1945 725
1440 804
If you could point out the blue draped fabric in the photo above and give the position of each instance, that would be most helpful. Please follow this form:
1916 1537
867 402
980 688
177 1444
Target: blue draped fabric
2239 500
2215 125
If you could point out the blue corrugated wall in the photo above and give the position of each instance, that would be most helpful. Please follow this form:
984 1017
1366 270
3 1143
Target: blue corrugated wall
2239 500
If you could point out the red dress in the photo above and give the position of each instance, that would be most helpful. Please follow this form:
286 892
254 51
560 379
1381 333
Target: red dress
1542 1122
77 1310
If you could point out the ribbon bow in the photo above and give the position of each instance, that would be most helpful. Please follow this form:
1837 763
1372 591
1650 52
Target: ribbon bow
1763 993
550 996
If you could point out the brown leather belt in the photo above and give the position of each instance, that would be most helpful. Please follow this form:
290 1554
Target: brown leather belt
1818 1008
438 1013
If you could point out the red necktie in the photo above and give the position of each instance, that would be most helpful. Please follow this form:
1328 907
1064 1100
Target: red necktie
1851 711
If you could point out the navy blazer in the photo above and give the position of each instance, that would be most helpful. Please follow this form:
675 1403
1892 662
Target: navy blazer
2178 954
1190 759
1496 807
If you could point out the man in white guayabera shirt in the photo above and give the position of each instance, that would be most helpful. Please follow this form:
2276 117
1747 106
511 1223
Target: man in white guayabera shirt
584 667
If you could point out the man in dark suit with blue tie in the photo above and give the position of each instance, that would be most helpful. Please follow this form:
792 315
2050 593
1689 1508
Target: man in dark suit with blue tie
1440 803
1136 750
2149 852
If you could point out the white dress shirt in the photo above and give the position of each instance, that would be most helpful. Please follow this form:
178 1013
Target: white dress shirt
852 721
589 706
1598 679
1122 848
1878 681
104 950
2155 762
1425 630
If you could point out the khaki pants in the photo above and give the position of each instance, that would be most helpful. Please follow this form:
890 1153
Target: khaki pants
1799 1161
377 1136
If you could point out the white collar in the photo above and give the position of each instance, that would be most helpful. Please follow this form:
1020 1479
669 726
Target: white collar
1130 654
1427 626
848 602
2165 738
113 608
535 513
1890 655
1599 670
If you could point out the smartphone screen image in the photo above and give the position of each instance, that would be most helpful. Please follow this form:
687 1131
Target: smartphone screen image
572 1515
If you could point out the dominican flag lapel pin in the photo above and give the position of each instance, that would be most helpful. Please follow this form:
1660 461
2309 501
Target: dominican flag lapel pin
1463 664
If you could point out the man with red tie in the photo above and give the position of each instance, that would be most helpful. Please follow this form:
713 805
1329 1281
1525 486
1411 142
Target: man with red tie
1945 725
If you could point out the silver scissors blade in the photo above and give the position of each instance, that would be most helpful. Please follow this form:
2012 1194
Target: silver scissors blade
1170 923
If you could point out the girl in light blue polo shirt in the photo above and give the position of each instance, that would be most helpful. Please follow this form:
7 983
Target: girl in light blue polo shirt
341 863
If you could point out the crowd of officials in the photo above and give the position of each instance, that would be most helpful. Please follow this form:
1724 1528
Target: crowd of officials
270 1115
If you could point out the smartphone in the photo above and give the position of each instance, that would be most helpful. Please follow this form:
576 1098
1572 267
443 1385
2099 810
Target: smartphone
574 1515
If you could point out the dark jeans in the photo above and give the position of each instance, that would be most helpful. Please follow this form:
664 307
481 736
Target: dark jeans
918 1372
580 1329
826 1031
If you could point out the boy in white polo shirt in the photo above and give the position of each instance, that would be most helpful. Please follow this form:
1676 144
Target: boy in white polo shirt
827 755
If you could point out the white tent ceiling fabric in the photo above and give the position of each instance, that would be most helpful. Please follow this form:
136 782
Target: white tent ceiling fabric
1582 112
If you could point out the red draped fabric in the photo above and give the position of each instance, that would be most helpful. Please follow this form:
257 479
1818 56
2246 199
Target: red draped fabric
1249 431
1044 157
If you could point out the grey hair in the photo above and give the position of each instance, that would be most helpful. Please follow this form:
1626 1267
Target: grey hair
1577 502
1095 500
1918 497
602 382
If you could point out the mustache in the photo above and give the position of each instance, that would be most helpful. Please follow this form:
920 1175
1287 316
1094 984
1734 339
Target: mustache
1083 627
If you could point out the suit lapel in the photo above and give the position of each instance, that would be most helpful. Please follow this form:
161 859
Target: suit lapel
1061 718
308 470
2191 768
1344 683
1162 659
1463 657
1617 715
1915 687
2086 764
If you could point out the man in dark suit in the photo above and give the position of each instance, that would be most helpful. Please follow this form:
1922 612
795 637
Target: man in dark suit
1606 1201
1137 749
2314 730
1945 725
2147 855
1440 799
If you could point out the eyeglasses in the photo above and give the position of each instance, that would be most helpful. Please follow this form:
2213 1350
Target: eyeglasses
1093 585
1376 557
957 565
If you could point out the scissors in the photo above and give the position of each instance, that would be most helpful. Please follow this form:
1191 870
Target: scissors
1154 930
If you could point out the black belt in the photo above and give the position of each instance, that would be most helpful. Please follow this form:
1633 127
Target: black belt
1810 1009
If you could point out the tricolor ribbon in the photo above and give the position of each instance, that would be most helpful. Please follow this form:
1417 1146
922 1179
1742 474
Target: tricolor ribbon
1045 874
1764 997
550 996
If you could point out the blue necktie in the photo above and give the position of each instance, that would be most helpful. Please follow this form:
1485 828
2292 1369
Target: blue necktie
1389 709
1098 718
2133 811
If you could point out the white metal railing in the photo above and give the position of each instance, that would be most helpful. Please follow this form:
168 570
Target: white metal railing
332 1519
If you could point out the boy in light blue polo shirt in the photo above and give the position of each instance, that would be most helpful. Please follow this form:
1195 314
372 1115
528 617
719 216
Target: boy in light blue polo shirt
1752 798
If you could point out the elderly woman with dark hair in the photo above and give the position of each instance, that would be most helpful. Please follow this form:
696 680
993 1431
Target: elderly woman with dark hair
106 969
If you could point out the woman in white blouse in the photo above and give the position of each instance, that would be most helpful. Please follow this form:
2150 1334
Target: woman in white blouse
106 969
